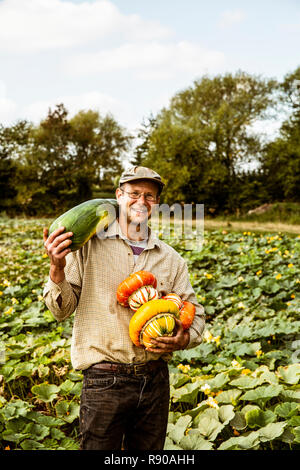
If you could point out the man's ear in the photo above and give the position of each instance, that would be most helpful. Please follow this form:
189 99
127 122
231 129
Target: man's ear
118 193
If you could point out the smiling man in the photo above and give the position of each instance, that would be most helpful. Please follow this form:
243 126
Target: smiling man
125 394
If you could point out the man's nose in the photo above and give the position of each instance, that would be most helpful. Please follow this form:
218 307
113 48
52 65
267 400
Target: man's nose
142 198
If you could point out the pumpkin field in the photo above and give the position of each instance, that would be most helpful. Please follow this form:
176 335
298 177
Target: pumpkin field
239 389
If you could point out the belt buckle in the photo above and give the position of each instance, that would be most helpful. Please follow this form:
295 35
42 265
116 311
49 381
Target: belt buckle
136 368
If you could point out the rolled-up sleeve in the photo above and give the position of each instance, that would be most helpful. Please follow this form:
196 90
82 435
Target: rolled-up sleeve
68 290
182 286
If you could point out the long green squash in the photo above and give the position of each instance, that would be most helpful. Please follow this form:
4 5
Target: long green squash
86 219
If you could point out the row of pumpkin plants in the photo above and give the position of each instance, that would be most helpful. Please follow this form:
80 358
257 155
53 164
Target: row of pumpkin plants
239 389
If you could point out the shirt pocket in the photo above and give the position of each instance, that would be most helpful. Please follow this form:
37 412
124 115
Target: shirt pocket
163 286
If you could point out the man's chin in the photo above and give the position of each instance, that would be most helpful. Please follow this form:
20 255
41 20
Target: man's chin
136 219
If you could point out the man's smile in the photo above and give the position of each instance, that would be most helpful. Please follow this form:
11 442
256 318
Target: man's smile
139 211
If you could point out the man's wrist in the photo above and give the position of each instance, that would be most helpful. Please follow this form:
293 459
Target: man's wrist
57 275
187 338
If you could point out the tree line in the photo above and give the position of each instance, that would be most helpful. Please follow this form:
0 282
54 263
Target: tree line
209 146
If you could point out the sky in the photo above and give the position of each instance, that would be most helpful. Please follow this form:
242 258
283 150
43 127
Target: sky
129 57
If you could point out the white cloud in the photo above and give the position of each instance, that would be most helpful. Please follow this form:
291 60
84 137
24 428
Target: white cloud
94 100
7 111
34 25
231 17
7 106
149 60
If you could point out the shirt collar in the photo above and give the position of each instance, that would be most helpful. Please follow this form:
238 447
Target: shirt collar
114 230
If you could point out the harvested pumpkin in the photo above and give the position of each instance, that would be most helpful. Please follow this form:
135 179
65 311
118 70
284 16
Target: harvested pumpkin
187 314
153 319
137 289
187 310
175 298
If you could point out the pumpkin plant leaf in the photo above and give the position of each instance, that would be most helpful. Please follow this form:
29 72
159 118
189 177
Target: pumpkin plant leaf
68 411
241 442
259 418
45 392
271 431
194 440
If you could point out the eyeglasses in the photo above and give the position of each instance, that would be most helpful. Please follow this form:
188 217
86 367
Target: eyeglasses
135 195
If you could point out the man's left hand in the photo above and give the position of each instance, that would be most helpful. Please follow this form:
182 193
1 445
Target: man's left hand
168 344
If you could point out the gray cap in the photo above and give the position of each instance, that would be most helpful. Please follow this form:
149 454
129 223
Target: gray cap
141 173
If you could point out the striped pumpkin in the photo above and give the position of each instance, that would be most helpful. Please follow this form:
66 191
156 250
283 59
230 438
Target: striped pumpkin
141 296
161 325
175 298
187 310
132 285
154 318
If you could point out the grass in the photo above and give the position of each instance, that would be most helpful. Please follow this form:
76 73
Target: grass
255 226
240 226
281 212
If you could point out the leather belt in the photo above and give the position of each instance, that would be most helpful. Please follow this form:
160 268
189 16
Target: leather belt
140 368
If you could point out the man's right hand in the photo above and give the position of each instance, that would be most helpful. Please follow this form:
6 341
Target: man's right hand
57 246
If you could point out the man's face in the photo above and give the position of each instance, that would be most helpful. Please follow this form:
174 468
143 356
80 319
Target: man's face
137 210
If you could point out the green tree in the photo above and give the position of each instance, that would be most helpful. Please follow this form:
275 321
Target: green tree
199 142
97 147
70 156
13 141
281 158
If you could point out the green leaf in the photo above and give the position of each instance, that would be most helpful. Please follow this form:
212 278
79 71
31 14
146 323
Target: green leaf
68 411
217 382
241 442
263 393
37 431
8 435
209 427
226 413
241 349
291 394
294 421
178 380
14 409
296 431
238 421
176 431
66 387
287 409
30 444
229 396
68 444
245 382
45 392
208 412
187 394
271 431
49 421
170 445
194 440
57 434
193 412
259 418
289 374
24 369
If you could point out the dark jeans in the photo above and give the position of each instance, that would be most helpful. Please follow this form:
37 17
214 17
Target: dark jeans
124 411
